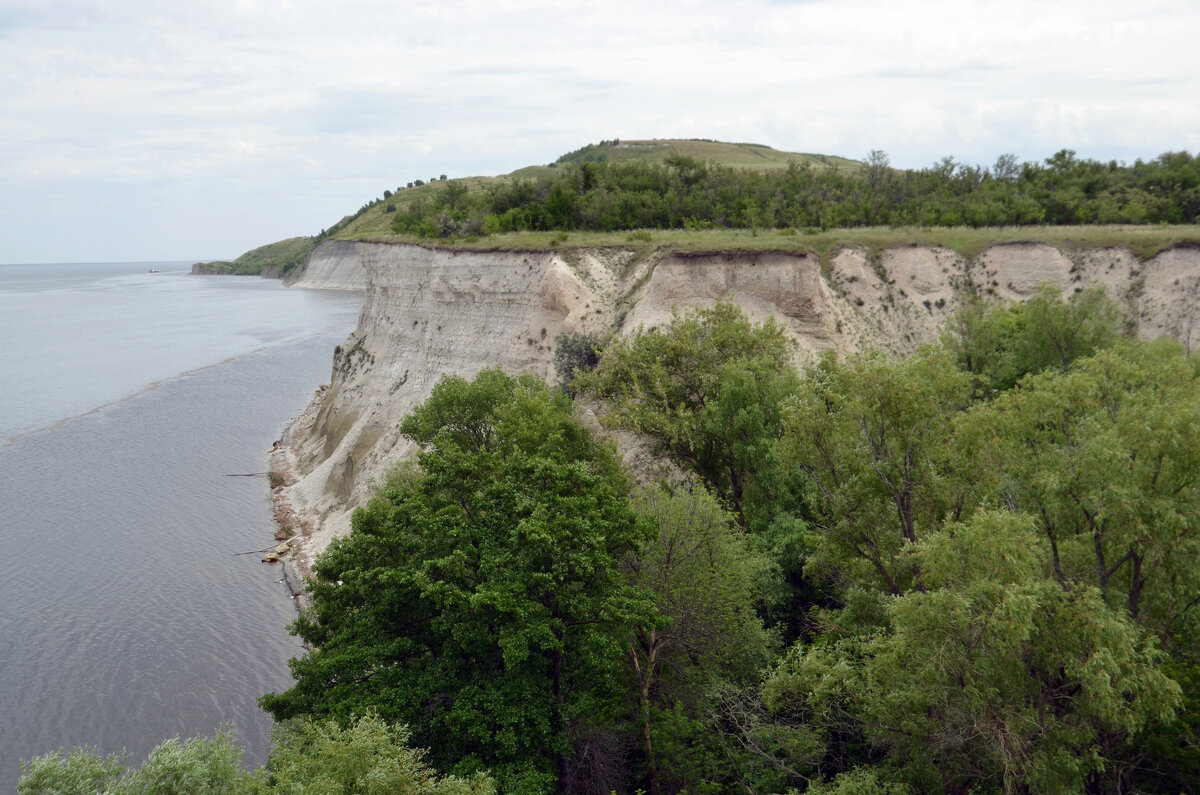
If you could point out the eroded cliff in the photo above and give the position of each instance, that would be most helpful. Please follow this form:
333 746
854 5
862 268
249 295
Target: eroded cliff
430 312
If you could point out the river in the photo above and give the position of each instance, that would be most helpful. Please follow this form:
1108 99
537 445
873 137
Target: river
139 408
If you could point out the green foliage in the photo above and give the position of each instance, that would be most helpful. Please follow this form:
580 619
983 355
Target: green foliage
1167 754
590 153
665 185
574 351
1000 345
703 574
992 672
273 259
1107 456
1026 647
200 766
996 666
309 758
859 781
368 758
81 771
871 436
481 600
706 391
279 258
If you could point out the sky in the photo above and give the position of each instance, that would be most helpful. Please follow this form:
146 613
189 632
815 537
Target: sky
140 130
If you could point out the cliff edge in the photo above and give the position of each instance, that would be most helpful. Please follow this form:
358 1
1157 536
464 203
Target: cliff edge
431 312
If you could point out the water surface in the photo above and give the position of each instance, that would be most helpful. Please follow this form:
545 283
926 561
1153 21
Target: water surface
130 398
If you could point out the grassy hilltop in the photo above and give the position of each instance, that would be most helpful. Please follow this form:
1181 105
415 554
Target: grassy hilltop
701 194
373 220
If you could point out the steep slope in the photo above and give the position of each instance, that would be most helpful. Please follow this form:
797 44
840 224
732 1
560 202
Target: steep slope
332 265
430 312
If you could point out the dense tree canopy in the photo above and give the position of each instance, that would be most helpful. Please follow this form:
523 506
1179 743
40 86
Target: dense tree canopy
705 390
998 562
686 193
870 434
999 345
703 574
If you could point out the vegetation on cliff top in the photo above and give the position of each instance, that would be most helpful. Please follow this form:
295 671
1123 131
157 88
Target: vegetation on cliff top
685 193
699 194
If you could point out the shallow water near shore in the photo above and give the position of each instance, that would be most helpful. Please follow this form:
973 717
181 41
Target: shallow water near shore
130 399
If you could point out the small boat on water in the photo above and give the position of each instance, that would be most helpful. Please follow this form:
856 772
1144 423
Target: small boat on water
155 270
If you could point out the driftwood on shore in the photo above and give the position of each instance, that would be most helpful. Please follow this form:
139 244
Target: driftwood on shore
271 548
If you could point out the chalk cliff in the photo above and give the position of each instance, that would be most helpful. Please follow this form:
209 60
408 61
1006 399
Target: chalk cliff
429 312
333 265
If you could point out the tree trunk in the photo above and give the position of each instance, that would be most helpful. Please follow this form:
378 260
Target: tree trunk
556 664
645 677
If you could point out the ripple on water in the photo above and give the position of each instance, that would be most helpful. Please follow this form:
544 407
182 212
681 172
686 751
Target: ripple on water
127 617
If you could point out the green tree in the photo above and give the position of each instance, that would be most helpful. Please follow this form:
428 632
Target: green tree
1107 457
1002 344
369 757
1059 332
574 351
703 574
199 766
80 771
480 599
992 677
706 391
871 434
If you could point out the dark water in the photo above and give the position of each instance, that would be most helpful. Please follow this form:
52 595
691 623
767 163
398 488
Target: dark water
125 615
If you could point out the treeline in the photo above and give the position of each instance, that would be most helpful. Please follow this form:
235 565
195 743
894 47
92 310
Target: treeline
686 193
975 569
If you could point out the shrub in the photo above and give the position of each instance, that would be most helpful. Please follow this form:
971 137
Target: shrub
574 351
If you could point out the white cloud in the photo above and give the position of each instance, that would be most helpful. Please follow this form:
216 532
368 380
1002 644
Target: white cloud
239 105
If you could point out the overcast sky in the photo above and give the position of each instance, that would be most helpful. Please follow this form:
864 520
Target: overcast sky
135 130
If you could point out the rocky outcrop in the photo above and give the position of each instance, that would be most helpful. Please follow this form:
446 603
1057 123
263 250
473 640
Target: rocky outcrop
432 312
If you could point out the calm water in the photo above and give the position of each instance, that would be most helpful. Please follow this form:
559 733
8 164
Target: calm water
128 398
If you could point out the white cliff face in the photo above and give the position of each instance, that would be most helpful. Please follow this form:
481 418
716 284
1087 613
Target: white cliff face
428 313
432 312
332 265
787 287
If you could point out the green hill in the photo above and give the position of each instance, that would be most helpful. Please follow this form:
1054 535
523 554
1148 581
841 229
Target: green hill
375 220
755 157
273 259
696 190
